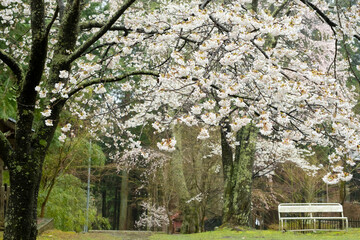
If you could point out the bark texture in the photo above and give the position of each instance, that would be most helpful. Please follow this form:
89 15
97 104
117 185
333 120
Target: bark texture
190 222
237 167
21 213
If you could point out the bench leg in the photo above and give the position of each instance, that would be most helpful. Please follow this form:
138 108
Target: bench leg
279 225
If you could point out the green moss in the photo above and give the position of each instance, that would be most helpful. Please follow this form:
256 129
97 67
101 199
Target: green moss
43 142
18 168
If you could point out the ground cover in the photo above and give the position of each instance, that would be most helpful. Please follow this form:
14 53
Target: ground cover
352 234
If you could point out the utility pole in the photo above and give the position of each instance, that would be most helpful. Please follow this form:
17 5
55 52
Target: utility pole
86 229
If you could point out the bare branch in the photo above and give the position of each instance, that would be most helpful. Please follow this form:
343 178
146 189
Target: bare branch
93 24
48 27
13 65
318 11
232 95
259 48
323 16
78 52
110 80
100 46
203 5
219 25
189 40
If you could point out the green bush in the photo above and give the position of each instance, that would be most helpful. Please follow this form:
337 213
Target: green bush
67 206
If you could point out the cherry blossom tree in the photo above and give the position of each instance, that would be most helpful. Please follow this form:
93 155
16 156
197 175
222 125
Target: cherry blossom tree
244 62
212 63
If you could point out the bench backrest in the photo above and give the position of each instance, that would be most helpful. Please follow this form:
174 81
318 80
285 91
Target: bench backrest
310 208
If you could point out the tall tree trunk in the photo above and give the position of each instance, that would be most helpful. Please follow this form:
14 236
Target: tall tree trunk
103 207
124 194
116 204
238 175
190 220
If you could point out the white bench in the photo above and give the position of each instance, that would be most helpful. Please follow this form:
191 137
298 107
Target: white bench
311 212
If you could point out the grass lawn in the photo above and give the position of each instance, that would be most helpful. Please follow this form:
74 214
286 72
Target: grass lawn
352 234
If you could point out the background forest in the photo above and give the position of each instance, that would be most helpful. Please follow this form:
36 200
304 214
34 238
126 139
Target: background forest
190 177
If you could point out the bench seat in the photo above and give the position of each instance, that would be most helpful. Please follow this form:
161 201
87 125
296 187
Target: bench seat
310 218
310 209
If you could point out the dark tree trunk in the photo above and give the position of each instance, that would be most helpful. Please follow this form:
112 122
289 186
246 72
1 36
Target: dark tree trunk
103 208
238 175
22 202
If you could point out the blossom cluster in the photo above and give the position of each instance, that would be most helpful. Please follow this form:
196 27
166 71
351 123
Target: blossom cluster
153 216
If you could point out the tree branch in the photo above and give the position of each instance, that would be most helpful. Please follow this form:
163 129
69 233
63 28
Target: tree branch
323 16
259 48
68 31
318 11
93 24
78 52
279 9
48 27
13 65
219 25
61 8
203 5
27 94
110 80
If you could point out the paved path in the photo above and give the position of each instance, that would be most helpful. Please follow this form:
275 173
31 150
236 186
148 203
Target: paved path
126 235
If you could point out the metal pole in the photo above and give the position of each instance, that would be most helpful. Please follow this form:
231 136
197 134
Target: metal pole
88 193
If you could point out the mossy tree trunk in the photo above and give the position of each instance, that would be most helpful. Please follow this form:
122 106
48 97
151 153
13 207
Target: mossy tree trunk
22 209
237 167
190 220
